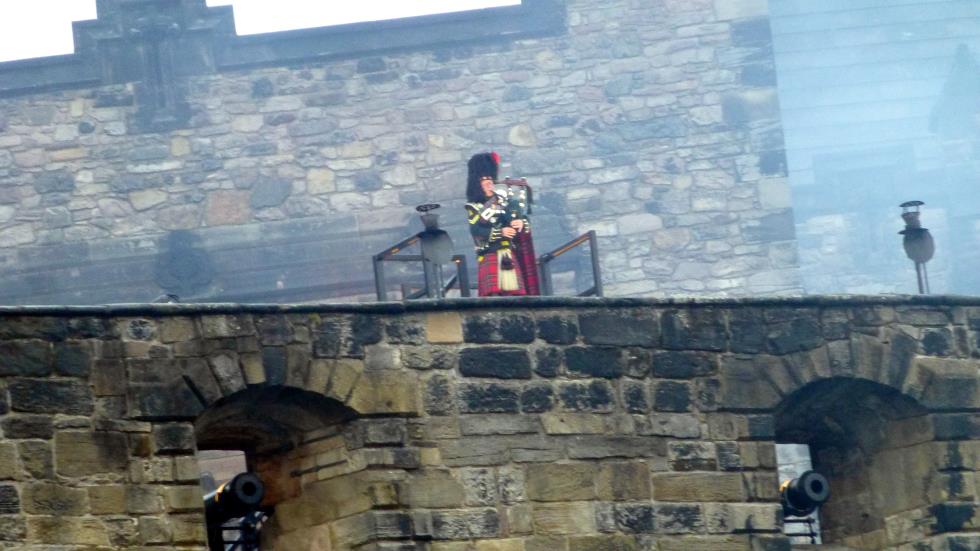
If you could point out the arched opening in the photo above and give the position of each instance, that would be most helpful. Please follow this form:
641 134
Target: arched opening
270 432
872 443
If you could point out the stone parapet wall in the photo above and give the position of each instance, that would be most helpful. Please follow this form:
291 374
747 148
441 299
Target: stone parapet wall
643 121
492 425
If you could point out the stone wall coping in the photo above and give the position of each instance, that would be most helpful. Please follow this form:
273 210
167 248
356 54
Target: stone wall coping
496 303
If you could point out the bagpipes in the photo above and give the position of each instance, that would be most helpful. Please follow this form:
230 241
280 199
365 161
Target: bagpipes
517 200
515 203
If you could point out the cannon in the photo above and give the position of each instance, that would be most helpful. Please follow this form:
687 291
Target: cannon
237 500
801 496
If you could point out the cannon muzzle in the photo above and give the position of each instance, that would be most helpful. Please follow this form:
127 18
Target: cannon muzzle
236 498
801 496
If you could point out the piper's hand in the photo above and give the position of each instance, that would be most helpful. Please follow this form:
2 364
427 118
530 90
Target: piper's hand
518 225
508 232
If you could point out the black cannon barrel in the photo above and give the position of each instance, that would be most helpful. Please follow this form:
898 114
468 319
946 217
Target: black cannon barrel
235 498
801 496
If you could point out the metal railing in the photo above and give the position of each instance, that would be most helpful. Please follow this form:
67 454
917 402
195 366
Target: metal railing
544 265
432 273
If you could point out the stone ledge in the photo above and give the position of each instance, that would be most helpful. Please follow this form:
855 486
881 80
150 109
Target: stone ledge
495 303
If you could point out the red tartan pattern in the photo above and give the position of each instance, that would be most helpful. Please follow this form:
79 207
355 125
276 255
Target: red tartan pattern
525 264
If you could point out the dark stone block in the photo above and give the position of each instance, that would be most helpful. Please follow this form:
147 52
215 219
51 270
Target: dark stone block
4 403
27 426
762 427
371 65
488 398
672 396
274 362
752 32
700 329
620 329
683 365
269 193
86 127
773 163
594 396
25 358
368 181
679 519
729 458
167 402
173 438
557 330
262 88
328 339
548 362
635 518
393 525
502 329
902 352
953 517
365 330
9 500
273 330
802 333
537 399
72 359
778 226
405 331
498 363
46 396
635 397
937 343
748 330
438 396
591 361
956 426
58 181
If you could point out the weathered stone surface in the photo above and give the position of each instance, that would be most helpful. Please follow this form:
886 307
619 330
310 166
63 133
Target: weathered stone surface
619 329
497 363
592 361
89 453
50 396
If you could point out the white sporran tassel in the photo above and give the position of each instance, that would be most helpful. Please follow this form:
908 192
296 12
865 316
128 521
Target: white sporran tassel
506 274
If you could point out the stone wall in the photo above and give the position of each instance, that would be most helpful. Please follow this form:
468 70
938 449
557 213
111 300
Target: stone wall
506 425
271 168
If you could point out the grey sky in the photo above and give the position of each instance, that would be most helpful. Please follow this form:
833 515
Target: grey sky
38 28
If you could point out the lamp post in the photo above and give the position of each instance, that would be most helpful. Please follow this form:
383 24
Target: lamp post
917 242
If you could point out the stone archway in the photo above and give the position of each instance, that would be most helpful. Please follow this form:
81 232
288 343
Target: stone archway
876 447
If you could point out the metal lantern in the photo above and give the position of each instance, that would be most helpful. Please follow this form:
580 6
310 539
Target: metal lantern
917 242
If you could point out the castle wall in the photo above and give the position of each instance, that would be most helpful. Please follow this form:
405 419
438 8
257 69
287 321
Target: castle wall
290 159
549 424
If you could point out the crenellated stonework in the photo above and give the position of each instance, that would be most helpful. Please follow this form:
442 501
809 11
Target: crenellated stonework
494 425
289 167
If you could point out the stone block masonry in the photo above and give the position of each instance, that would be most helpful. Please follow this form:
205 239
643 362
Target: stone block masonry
287 161
474 425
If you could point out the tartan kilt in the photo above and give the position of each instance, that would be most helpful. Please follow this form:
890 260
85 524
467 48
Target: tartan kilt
524 262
